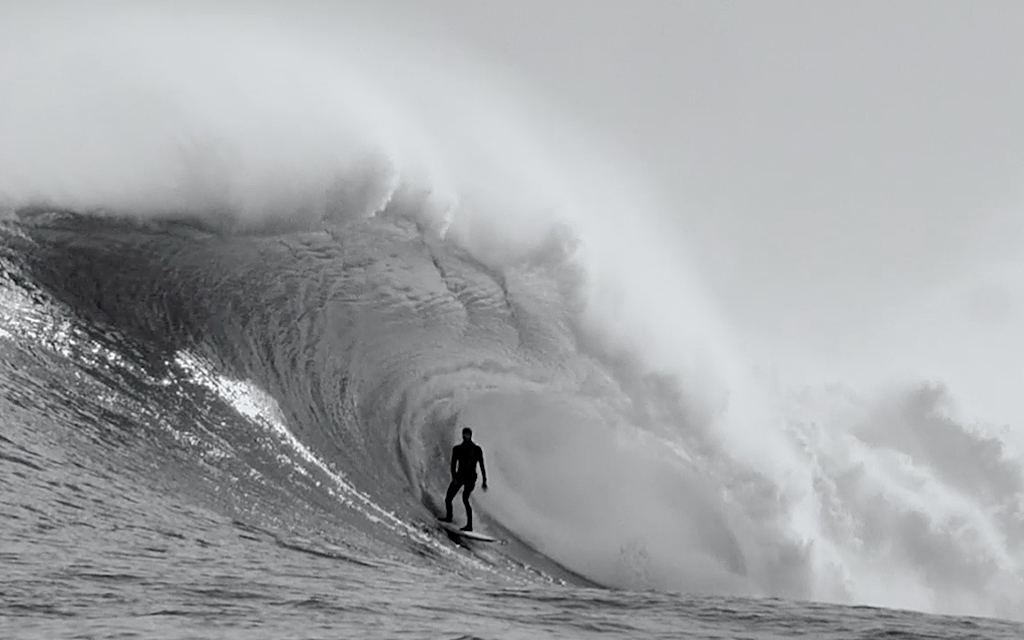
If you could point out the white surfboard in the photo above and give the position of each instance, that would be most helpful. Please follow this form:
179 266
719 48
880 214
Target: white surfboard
472 535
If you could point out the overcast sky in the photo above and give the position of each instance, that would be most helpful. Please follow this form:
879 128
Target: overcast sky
798 134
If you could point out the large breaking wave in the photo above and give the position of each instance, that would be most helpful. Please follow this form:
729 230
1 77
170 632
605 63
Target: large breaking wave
388 264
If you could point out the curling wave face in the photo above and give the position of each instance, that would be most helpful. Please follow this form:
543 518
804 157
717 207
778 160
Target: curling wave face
379 344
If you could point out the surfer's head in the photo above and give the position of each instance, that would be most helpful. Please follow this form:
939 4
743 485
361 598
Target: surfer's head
467 434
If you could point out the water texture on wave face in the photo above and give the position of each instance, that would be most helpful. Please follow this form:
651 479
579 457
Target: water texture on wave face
245 302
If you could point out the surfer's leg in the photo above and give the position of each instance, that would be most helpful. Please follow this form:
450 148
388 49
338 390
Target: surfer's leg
468 489
453 488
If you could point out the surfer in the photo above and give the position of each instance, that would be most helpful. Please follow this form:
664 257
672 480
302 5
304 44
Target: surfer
465 457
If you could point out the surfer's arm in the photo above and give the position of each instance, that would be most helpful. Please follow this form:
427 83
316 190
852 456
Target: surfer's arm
454 461
483 469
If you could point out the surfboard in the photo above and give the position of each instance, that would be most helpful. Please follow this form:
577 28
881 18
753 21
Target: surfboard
471 535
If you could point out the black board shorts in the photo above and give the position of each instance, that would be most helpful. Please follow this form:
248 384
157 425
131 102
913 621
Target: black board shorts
467 483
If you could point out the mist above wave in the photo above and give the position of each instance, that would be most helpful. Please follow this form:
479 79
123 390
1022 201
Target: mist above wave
242 124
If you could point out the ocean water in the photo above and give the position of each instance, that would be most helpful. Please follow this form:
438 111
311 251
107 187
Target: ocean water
220 436
239 336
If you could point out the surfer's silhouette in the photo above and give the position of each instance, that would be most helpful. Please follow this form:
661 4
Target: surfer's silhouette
465 457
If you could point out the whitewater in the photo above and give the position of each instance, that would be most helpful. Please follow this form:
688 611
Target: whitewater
252 288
